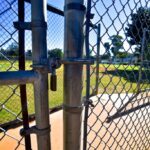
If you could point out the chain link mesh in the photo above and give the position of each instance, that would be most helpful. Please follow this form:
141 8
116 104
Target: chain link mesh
10 102
10 106
55 42
118 117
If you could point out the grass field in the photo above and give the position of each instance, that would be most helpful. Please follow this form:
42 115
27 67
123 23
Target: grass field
112 79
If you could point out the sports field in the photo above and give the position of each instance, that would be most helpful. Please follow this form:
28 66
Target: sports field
112 79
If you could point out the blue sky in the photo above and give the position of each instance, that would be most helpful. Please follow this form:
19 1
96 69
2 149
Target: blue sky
115 19
8 33
55 27
108 20
57 3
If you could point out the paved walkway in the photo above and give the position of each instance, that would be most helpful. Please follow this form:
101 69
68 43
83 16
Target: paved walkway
120 131
8 143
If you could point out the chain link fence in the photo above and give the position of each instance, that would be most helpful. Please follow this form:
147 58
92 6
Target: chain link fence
10 101
117 110
10 106
118 116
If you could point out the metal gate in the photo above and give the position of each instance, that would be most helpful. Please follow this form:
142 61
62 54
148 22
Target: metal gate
117 114
20 22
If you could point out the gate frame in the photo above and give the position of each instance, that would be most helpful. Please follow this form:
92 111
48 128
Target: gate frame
39 77
23 92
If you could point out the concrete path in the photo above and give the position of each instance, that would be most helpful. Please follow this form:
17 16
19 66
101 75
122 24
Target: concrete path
9 143
125 132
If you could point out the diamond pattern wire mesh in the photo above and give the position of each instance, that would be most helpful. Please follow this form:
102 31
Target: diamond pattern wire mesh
55 41
55 35
10 103
119 117
10 106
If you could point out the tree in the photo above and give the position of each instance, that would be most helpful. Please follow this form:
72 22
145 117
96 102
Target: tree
2 52
12 49
134 30
105 57
29 53
123 55
107 48
55 53
116 44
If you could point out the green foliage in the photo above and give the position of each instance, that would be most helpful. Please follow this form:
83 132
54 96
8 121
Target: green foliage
55 53
12 49
105 56
56 98
29 53
122 54
2 51
107 48
139 21
116 44
134 31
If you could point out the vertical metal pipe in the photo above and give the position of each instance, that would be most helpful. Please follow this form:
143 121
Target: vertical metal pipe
87 30
97 58
143 47
23 94
39 46
73 48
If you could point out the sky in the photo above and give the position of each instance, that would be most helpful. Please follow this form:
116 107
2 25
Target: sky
9 14
114 20
111 22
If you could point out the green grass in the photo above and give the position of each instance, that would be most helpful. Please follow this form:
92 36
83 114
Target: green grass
112 79
9 95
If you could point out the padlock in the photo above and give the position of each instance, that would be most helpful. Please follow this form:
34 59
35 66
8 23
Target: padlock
53 82
54 63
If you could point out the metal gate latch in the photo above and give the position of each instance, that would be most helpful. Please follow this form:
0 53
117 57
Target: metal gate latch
34 130
53 64
72 109
87 102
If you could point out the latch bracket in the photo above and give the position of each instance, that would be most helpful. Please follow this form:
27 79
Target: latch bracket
34 130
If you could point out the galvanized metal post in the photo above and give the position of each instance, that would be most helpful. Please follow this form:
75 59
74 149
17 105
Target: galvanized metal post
39 46
143 47
73 48
87 30
97 59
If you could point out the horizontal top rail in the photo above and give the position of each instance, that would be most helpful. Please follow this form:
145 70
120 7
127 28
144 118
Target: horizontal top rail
51 8
17 77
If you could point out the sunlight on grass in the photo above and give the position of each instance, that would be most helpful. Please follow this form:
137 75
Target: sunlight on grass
112 79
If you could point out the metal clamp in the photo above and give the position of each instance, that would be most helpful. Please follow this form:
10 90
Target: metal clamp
54 63
34 130
91 16
39 24
88 102
72 109
40 68
22 25
48 65
77 61
75 6
28 25
93 25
